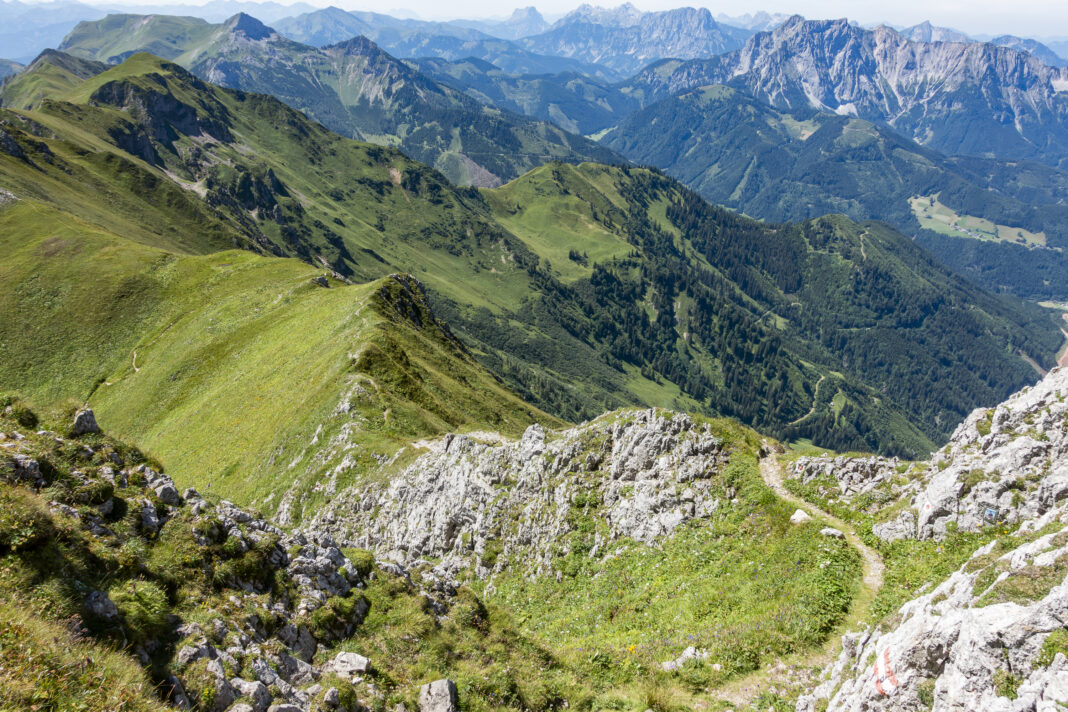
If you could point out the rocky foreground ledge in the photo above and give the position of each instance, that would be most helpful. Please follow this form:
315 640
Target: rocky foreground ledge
994 635
263 611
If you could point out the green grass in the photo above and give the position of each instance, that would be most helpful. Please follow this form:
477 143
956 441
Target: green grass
553 228
933 215
239 358
746 585
44 667
480 647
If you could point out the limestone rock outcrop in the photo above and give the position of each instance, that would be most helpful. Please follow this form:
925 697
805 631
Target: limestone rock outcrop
466 501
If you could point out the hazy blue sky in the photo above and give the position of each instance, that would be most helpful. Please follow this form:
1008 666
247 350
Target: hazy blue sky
1046 18
1036 18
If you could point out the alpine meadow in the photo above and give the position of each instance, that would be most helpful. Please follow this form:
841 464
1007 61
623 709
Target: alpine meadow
612 360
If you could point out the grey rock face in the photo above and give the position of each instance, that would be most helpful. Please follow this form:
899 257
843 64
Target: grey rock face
438 696
979 635
84 422
149 517
973 98
956 644
1004 465
644 472
255 691
691 653
27 469
348 665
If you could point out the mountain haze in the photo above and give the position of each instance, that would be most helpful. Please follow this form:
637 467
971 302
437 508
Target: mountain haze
625 39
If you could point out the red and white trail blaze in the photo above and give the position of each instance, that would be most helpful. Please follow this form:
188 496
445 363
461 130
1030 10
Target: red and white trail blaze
885 681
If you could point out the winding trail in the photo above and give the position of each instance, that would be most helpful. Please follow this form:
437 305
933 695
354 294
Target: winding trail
771 472
742 692
815 404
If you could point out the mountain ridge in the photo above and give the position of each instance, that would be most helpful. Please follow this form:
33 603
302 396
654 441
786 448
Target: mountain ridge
990 101
356 89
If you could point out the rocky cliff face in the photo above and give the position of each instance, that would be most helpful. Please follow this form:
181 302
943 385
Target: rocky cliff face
473 501
971 98
991 637
1007 465
994 635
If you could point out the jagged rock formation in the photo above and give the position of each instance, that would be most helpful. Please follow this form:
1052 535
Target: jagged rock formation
971 98
470 502
272 604
994 635
1007 464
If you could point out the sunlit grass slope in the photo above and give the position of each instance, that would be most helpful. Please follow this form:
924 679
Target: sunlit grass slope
231 367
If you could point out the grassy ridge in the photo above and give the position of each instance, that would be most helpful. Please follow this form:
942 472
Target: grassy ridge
227 364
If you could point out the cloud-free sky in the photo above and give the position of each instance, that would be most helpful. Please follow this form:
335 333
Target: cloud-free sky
1034 18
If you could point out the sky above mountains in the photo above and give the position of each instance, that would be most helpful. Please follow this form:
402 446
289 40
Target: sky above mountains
1035 18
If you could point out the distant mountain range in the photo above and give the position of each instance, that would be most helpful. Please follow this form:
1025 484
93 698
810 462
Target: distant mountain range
576 102
973 99
776 165
926 32
352 87
626 39
523 22
416 38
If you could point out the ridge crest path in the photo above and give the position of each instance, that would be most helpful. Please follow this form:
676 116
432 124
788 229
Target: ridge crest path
771 472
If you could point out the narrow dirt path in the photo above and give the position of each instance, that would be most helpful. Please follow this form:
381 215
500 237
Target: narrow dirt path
743 691
815 401
771 472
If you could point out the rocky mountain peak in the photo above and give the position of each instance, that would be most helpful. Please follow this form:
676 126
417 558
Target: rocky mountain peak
249 26
525 14
626 15
358 46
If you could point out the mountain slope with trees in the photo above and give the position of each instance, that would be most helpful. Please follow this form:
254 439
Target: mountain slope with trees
353 88
580 287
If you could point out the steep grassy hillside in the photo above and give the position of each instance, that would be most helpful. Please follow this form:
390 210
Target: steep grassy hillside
352 87
52 73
